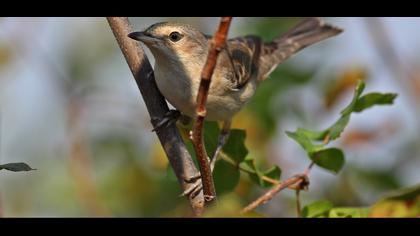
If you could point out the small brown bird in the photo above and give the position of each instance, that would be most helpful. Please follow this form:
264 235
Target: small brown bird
180 53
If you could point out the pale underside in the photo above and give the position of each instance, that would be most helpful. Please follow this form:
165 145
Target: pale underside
233 83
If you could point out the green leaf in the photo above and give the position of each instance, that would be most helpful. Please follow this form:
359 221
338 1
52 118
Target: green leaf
334 131
254 176
331 159
372 99
358 91
348 212
235 146
257 176
338 127
303 141
273 173
226 177
357 104
313 135
316 209
19 166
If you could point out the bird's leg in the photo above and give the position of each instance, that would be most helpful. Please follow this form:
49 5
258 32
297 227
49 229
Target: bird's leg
223 136
169 118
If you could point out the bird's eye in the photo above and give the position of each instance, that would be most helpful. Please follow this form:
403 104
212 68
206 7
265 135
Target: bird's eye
175 36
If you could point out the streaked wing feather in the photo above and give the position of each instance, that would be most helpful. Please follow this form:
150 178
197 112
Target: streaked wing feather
242 56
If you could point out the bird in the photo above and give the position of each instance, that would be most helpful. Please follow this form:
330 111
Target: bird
180 52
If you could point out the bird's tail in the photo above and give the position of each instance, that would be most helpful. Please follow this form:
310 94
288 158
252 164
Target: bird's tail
305 33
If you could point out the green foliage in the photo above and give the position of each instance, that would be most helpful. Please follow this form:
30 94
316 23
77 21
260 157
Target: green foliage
257 175
226 173
304 141
400 203
316 209
348 212
232 159
226 177
16 167
372 99
235 153
272 173
325 208
332 159
235 146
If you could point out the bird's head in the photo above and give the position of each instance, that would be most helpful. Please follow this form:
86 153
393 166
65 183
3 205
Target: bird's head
173 40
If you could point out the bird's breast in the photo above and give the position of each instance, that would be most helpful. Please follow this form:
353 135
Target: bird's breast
177 89
181 91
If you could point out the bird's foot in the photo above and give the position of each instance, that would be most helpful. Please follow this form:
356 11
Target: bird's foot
194 189
169 118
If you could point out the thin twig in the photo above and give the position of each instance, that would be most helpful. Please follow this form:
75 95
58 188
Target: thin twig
169 137
217 44
298 208
299 181
296 180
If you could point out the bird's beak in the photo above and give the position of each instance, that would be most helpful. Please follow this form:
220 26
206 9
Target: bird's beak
142 36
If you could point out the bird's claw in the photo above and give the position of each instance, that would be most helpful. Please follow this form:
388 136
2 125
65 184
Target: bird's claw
169 118
192 179
193 190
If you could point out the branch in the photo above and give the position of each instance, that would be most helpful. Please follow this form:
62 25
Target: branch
169 137
217 44
300 180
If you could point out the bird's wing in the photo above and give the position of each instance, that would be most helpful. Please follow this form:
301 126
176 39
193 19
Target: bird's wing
241 57
307 32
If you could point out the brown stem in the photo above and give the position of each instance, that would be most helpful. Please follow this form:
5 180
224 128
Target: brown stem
298 208
299 181
217 43
270 194
169 137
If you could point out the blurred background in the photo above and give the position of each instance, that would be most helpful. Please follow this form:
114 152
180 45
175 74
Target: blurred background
70 108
